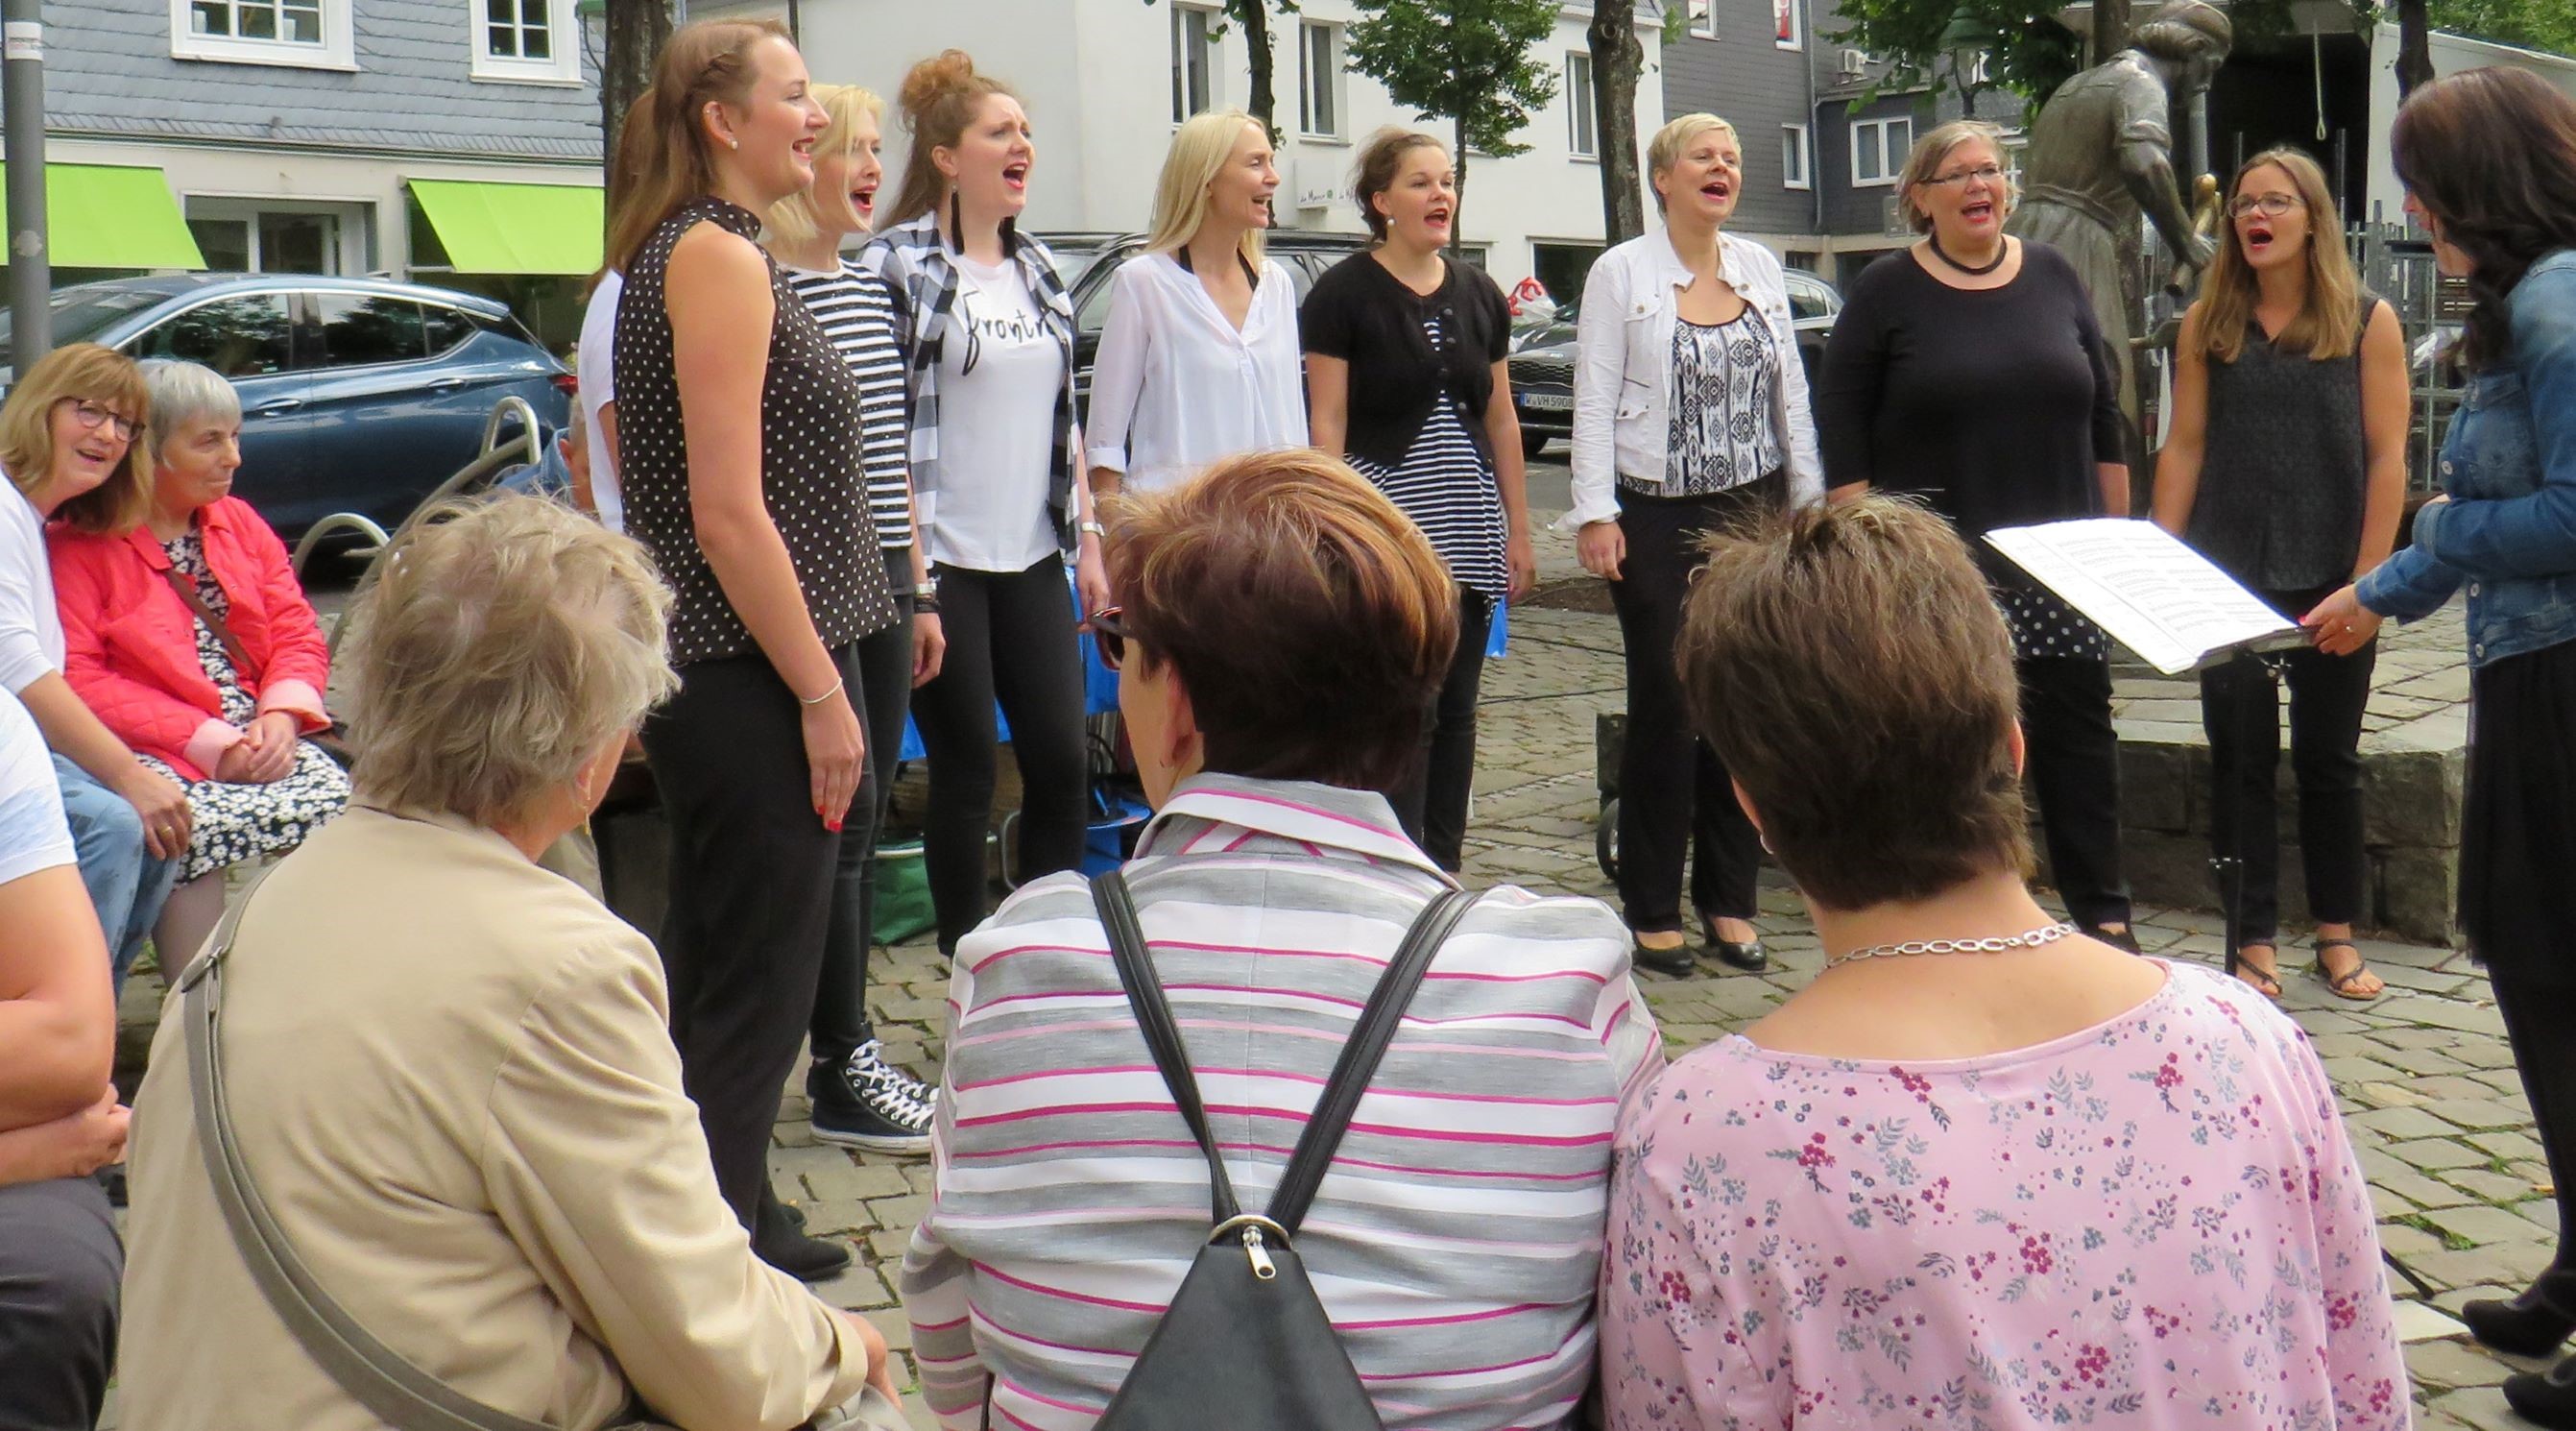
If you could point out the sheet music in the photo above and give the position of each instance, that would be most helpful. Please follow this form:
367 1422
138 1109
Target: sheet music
2156 596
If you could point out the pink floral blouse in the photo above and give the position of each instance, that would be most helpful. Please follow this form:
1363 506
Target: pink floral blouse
2157 1222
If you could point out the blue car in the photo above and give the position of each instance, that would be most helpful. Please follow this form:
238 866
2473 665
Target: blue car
358 394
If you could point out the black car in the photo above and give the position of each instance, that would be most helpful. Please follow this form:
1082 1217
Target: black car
1542 366
1085 262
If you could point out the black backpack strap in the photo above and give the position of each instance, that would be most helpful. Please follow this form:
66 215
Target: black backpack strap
1360 1056
1162 1034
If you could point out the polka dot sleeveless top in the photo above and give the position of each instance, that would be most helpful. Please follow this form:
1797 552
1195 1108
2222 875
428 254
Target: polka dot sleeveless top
810 475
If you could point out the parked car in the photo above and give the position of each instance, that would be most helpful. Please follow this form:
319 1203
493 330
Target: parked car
1542 366
358 394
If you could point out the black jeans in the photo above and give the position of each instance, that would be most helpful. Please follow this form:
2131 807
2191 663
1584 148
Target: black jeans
2074 758
2240 707
1011 638
59 1264
1432 804
1660 807
751 896
2546 1059
883 694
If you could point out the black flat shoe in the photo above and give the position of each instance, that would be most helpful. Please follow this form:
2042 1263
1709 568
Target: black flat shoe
2524 1326
807 1259
2545 1398
1677 960
1744 954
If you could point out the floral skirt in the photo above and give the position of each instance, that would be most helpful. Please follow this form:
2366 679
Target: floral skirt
233 823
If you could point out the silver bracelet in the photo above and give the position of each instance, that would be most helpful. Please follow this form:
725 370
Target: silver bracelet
818 700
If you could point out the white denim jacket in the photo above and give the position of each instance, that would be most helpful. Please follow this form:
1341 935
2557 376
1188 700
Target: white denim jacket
1623 375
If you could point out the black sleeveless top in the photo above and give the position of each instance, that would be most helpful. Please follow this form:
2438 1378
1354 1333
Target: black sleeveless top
810 475
2286 465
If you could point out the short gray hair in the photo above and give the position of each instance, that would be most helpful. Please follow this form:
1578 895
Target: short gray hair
1933 150
499 646
185 394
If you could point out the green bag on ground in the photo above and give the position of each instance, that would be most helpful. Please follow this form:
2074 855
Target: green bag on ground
903 907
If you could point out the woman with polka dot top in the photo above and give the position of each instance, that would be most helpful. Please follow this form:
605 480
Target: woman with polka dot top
739 437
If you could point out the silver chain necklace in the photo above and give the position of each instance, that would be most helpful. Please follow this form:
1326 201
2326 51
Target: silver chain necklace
2030 939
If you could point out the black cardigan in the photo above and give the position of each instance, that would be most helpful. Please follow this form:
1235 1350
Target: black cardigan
1363 315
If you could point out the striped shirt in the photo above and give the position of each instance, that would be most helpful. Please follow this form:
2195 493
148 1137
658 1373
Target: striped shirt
856 310
1456 1241
1447 487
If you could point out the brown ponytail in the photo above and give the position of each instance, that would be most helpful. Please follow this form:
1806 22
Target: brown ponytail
939 98
662 138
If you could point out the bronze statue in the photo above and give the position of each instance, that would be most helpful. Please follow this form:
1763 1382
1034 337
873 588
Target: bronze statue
2102 152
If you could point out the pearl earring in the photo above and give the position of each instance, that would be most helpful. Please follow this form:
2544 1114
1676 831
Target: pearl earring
733 143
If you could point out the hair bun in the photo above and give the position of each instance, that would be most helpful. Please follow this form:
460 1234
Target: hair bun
934 79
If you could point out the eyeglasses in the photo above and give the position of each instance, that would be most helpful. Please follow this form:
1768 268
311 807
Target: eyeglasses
94 416
1989 173
2271 206
1110 635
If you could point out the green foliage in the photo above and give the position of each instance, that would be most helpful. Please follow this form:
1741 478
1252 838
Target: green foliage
1463 60
2027 51
2532 24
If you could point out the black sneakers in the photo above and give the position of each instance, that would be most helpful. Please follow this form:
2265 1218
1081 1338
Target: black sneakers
869 1104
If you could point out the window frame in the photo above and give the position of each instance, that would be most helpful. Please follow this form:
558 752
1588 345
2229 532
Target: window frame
1891 156
1582 118
562 66
1795 12
337 51
1797 141
1703 25
319 321
1206 56
1326 86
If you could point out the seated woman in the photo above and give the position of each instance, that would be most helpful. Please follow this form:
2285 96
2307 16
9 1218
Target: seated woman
1983 1170
450 1071
191 638
1456 1239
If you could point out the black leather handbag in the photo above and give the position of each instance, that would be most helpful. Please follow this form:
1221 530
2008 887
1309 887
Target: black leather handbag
1245 1344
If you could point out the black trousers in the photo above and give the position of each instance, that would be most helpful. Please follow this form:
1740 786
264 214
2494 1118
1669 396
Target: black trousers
2074 760
59 1265
1432 805
1011 639
884 693
2534 1011
1661 806
2240 707
751 896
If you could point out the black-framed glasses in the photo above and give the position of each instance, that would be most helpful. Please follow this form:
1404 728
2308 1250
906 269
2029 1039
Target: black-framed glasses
1109 633
97 415
2271 206
1990 173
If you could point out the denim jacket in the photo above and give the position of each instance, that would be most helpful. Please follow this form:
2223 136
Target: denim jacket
2509 467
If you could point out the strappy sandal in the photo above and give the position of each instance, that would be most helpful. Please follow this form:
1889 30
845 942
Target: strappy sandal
2341 984
2238 966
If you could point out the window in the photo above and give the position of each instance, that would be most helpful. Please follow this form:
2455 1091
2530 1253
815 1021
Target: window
1810 297
1878 149
1703 19
359 329
1796 167
312 34
267 236
1583 138
447 328
237 337
1319 79
1788 24
1193 63
525 41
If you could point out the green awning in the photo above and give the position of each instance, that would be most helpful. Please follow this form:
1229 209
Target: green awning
113 216
514 228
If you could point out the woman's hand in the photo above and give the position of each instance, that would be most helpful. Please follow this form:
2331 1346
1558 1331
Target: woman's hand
264 754
880 1360
2340 624
1522 559
1602 548
929 647
1090 580
163 807
834 751
73 1146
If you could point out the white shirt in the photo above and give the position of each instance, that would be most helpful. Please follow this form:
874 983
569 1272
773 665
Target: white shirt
31 629
999 373
1176 386
33 834
1623 370
598 388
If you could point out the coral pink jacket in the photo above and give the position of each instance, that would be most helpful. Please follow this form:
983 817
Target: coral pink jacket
131 644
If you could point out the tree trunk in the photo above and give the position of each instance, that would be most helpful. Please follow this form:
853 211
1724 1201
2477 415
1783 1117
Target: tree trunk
1254 17
2414 47
1458 204
637 30
2110 28
1616 59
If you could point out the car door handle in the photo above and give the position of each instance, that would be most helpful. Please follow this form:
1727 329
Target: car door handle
446 385
277 406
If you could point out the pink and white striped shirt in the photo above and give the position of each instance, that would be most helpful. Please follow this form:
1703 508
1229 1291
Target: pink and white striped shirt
1457 1239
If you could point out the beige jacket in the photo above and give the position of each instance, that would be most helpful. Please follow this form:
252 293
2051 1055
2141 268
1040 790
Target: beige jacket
452 1078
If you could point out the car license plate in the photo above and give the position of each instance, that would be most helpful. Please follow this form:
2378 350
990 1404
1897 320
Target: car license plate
1548 402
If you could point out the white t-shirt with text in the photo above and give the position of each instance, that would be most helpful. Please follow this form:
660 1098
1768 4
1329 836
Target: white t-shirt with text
1000 371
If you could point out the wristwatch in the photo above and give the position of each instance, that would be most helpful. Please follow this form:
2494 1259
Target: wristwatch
1094 528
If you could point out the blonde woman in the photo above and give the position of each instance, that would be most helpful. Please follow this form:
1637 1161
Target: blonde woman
2286 465
1199 357
860 1100
1690 413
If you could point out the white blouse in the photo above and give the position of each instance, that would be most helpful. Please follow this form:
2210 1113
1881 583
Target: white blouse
1176 387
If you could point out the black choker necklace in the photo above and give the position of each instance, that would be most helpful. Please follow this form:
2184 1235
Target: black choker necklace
2002 252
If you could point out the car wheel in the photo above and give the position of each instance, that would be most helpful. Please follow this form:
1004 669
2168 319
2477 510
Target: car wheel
1605 839
1532 443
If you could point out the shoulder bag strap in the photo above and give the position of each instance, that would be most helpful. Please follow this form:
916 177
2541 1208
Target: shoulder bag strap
1360 1056
186 586
1162 1034
373 1374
